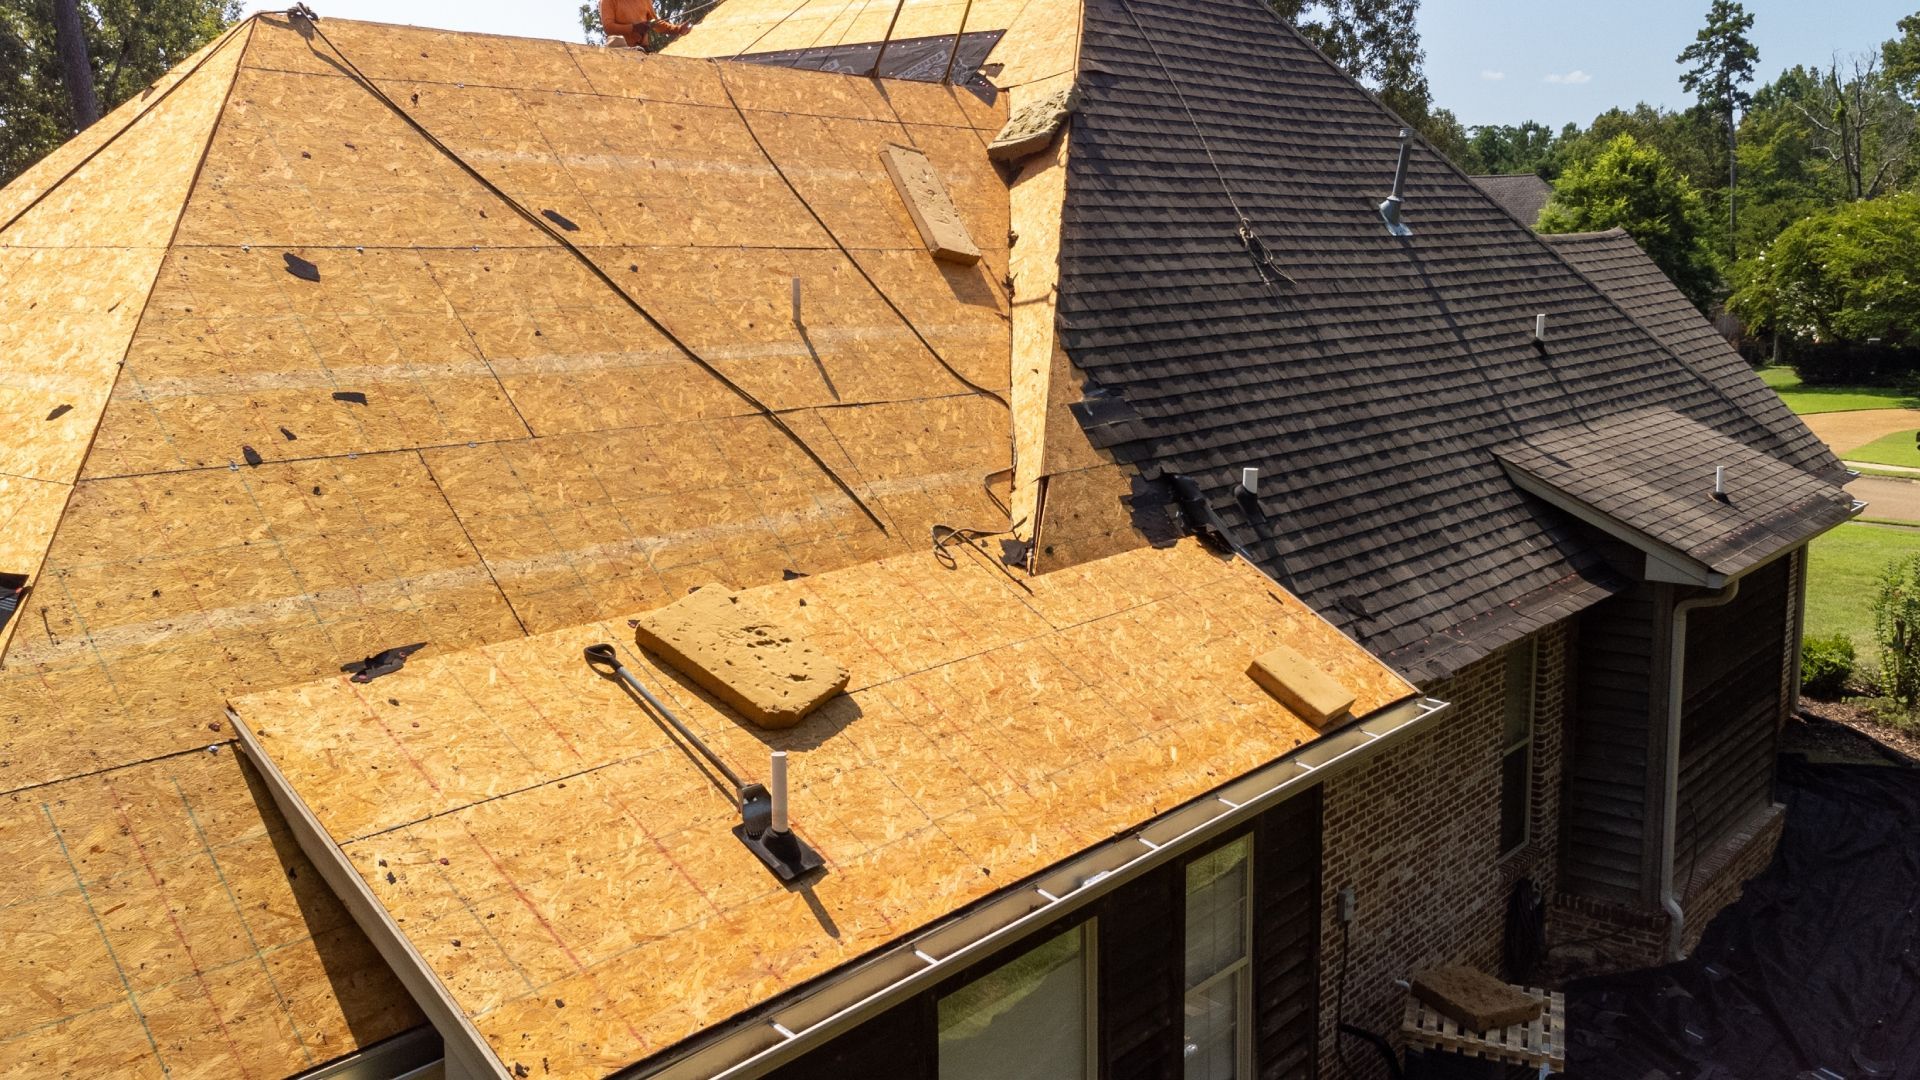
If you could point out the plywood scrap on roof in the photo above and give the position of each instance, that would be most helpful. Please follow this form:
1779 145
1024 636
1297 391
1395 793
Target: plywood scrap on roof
1116 688
933 212
1300 685
724 642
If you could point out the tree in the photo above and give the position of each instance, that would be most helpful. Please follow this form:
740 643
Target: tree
1723 58
127 44
1634 187
76 68
1896 624
1782 179
1846 274
1512 148
1901 57
1861 125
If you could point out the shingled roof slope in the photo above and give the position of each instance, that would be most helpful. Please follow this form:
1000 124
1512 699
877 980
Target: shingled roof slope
1523 195
1367 376
294 380
1613 261
1652 474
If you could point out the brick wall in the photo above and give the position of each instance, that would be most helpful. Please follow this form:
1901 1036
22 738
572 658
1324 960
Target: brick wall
1416 834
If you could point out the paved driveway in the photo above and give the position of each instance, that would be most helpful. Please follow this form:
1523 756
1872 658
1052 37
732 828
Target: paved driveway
1888 499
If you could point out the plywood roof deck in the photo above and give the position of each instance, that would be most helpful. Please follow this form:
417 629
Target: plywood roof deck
532 451
567 872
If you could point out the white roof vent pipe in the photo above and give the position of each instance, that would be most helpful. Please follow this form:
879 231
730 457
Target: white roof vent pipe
1390 210
1720 482
1540 327
1250 481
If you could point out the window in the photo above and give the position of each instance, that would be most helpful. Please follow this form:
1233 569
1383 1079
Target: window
1516 750
1028 1019
1219 981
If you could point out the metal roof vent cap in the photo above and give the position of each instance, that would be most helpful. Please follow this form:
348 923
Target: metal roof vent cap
1390 210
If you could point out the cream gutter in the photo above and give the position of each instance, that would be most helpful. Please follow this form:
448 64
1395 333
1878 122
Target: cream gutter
761 1042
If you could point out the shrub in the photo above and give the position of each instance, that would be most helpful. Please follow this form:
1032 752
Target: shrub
1896 625
1826 666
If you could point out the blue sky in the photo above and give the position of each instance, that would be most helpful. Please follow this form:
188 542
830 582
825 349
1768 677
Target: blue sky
1490 61
1505 61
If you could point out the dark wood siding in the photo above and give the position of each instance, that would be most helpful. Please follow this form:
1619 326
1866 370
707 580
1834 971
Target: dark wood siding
1140 976
1731 711
1286 897
1608 760
1140 938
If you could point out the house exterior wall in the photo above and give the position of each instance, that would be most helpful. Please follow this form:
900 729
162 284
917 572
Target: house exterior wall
1415 833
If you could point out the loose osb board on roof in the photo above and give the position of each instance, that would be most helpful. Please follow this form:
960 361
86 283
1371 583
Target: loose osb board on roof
157 926
759 26
1036 201
1117 688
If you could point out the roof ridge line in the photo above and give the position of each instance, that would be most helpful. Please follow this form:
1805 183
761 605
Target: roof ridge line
119 370
217 48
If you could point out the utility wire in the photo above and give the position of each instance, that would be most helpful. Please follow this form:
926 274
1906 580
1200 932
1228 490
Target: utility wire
594 268
861 270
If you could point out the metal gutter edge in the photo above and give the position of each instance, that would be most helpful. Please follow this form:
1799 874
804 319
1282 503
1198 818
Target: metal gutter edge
468 1056
408 1054
760 1043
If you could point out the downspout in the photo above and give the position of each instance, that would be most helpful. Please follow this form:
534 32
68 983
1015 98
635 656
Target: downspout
1670 810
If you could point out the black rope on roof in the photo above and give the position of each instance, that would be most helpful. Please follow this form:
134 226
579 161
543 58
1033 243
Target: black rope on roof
861 270
558 237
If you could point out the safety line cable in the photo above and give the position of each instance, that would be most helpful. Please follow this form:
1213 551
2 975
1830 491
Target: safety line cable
212 52
594 268
861 270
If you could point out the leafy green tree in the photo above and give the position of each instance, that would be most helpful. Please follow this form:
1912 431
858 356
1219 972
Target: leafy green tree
1862 125
128 44
1901 58
1782 178
1846 274
1512 148
1723 57
1634 187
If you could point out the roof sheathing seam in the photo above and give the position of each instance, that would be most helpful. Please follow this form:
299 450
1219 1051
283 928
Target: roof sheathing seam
594 269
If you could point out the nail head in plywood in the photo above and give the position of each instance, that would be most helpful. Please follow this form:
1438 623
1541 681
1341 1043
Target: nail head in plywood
1300 685
933 211
725 643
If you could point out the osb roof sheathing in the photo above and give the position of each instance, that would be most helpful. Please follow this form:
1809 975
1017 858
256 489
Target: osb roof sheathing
533 450
567 872
744 27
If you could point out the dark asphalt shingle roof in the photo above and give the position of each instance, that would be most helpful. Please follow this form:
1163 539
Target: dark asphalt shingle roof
1372 388
1653 472
1523 195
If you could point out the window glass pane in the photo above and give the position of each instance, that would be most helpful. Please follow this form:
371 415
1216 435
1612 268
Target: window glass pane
1024 1020
1519 703
1216 910
1513 800
1213 1039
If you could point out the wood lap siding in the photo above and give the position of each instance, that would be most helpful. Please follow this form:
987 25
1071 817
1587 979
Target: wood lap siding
1286 867
1731 711
1607 761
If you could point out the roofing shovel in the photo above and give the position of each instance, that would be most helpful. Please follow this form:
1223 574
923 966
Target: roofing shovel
763 813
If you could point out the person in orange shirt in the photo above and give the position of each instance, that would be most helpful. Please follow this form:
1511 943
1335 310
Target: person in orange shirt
633 20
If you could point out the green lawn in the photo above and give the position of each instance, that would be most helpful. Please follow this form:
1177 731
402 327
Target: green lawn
1807 400
1895 449
1843 569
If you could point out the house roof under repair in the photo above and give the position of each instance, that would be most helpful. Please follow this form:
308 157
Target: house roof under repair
355 377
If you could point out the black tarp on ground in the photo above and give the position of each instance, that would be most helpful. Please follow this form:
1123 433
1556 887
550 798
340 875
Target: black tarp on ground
1815 967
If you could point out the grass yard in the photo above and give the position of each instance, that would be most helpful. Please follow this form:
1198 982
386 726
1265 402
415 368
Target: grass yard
1843 570
1807 400
1895 449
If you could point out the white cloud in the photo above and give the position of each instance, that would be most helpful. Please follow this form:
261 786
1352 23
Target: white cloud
1571 78
1492 76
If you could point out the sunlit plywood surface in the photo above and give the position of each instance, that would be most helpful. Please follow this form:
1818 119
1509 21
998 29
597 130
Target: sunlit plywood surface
567 873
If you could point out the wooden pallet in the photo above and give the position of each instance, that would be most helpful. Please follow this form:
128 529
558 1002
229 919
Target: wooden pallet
1540 1042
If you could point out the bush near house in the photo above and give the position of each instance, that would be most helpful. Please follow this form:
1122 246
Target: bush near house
1826 666
1896 625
